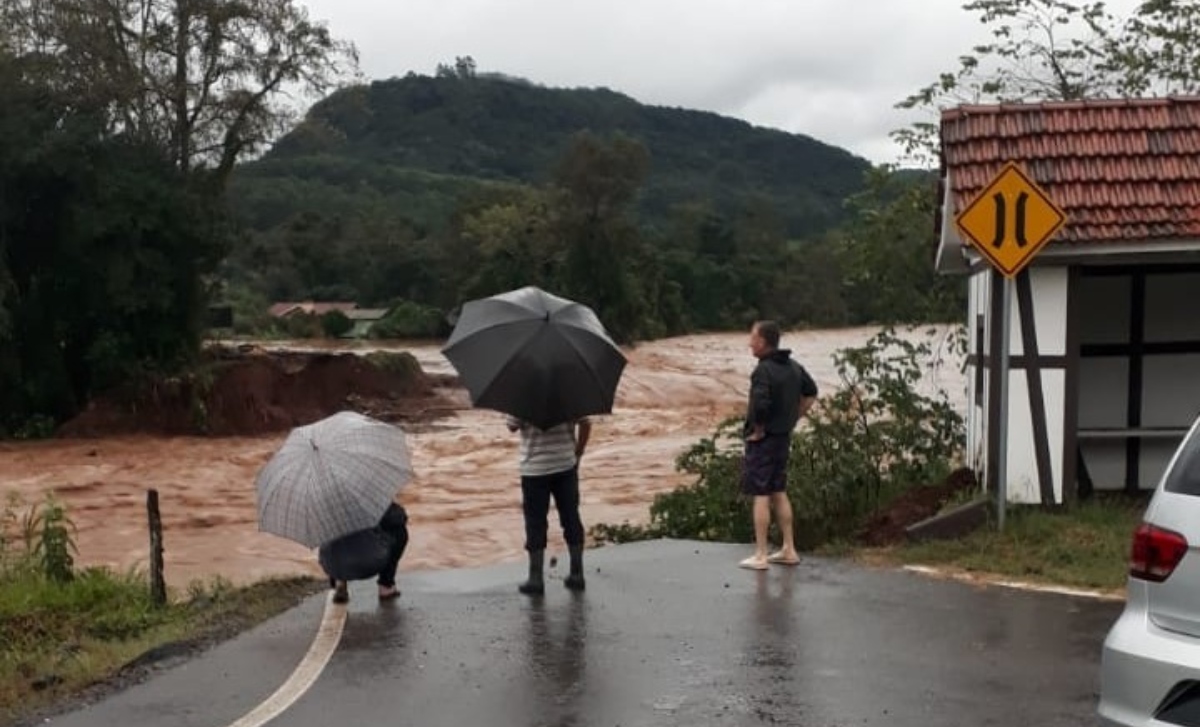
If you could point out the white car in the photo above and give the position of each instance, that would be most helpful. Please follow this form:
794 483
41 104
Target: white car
1150 668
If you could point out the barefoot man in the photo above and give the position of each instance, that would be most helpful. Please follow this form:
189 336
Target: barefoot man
781 392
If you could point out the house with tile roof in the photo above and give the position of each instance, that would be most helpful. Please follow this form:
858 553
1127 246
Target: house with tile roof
308 307
363 319
1104 343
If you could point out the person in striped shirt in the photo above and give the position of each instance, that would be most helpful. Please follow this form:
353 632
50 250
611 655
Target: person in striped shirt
549 466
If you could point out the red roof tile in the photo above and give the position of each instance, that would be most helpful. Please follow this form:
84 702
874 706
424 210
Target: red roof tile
1122 170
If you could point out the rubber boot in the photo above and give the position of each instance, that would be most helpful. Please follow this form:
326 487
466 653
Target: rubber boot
574 580
341 593
535 586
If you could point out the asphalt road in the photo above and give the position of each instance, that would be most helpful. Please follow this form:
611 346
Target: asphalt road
668 633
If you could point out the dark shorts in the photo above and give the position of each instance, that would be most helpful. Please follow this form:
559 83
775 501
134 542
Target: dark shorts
764 467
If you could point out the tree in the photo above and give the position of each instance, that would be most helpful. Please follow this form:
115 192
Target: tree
206 80
464 66
1051 50
104 247
814 290
596 184
1159 52
887 255
514 245
336 324
1040 50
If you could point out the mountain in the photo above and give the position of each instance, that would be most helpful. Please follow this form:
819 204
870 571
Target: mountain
419 143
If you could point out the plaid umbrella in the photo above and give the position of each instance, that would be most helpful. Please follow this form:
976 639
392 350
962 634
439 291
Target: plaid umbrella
331 478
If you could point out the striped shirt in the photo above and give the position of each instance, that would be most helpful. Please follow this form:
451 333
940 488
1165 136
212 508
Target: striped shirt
545 451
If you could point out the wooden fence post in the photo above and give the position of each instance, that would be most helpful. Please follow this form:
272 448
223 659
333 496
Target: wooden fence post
158 586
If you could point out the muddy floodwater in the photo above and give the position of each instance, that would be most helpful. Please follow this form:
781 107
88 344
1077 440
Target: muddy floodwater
464 504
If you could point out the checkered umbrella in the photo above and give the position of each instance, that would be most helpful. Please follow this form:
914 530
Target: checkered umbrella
331 478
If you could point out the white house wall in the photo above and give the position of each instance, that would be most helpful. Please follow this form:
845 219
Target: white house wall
1050 327
1050 293
1171 399
1169 386
977 335
1171 392
1103 401
1022 478
1050 313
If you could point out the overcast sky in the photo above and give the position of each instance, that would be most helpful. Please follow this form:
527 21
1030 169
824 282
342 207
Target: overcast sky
830 69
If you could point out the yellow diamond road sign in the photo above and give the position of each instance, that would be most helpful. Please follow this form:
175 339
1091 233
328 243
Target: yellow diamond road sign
1010 220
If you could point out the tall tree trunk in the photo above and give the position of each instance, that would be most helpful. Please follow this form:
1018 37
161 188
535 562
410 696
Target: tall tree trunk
183 130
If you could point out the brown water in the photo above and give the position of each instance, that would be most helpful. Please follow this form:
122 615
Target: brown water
464 504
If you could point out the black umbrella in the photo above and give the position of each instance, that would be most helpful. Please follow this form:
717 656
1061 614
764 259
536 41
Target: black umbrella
541 358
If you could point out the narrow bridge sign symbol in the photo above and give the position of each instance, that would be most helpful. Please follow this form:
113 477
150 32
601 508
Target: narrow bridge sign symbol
1010 220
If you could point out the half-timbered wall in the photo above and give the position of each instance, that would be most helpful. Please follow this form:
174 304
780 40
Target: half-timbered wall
1113 386
1037 366
1139 371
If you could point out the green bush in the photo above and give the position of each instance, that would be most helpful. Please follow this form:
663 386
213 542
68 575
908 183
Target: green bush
47 538
37 426
410 320
336 324
712 508
395 362
302 325
43 600
872 438
8 532
875 437
251 312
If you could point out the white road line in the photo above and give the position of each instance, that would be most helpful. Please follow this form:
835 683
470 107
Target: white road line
1018 585
306 672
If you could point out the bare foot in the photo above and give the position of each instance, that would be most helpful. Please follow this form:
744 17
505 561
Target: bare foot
754 562
784 557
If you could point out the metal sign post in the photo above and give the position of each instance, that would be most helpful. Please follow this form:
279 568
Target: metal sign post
1002 419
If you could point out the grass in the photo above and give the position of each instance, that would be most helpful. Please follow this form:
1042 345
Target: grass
58 639
1086 546
65 631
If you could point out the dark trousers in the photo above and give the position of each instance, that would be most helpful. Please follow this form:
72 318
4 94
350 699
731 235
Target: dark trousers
535 502
371 552
399 537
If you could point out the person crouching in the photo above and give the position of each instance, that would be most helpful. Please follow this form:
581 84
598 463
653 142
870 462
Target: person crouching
372 552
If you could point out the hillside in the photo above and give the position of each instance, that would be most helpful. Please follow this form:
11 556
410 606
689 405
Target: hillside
420 143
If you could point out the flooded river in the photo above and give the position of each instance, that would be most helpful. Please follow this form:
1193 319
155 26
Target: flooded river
464 504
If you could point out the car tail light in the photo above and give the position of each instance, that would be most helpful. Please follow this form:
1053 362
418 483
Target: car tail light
1156 552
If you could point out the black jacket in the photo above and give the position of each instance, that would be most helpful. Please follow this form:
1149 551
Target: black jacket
363 553
776 387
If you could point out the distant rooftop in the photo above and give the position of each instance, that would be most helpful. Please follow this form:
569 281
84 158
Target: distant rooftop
366 314
279 310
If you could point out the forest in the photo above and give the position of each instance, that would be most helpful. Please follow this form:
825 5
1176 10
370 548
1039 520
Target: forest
417 193
153 165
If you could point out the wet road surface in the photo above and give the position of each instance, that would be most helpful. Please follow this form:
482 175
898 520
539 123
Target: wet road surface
668 633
